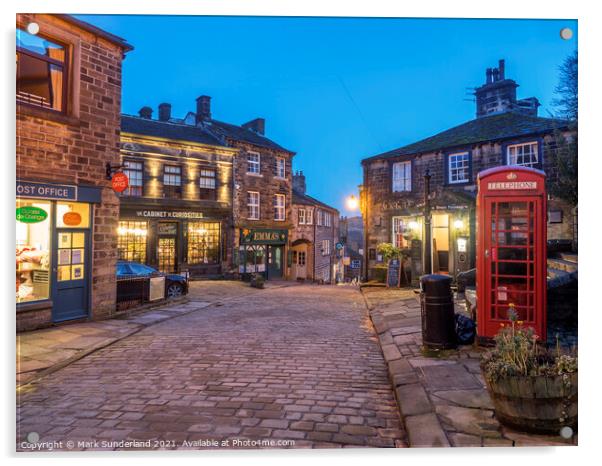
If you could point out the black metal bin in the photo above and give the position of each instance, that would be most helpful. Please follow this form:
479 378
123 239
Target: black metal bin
437 308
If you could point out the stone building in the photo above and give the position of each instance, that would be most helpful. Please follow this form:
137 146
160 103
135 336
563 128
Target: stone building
262 195
506 131
68 96
352 236
176 214
314 236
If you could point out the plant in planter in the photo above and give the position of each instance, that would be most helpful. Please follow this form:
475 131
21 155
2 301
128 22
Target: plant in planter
257 280
388 251
532 389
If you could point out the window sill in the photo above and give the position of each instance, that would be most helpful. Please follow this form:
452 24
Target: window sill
281 178
34 305
39 112
252 219
258 175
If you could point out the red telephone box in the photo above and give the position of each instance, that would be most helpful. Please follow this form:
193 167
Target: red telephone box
511 249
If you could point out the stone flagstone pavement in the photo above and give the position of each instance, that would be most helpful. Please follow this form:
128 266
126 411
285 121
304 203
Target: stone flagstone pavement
441 395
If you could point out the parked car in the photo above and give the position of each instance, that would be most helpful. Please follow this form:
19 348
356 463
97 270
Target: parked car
175 285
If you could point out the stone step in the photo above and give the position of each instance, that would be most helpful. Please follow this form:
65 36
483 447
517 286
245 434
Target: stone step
569 256
558 277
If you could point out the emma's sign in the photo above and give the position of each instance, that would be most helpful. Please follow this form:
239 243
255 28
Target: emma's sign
511 185
264 236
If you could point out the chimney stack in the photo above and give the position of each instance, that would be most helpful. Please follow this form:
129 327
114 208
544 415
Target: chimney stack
203 108
164 112
257 125
498 94
502 69
488 75
146 112
299 182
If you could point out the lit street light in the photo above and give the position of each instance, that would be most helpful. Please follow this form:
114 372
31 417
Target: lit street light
352 202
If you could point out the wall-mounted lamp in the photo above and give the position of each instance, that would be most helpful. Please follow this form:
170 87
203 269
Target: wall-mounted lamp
414 225
458 224
352 202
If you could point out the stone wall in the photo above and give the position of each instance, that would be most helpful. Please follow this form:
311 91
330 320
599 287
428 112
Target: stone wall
73 148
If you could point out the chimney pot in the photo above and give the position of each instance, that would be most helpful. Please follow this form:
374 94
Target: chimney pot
203 108
164 112
146 112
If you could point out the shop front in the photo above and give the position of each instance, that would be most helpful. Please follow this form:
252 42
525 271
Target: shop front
53 249
172 241
263 251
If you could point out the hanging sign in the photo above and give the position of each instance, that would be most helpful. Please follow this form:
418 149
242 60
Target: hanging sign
31 214
72 219
120 182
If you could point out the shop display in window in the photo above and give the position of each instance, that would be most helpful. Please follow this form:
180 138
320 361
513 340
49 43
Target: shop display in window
203 242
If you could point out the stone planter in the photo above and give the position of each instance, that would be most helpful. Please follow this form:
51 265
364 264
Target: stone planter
537 404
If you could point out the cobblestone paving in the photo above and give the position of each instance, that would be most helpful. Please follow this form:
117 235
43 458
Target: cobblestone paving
298 364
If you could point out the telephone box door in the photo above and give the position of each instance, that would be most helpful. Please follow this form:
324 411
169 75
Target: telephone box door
511 254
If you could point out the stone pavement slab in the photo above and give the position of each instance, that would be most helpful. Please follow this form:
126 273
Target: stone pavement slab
441 395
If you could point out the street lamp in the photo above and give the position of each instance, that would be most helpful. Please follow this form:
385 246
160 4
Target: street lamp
352 203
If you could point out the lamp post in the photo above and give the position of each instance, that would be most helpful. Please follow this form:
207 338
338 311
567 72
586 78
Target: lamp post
427 259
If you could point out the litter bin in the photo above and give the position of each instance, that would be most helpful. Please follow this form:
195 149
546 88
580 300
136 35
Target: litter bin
437 308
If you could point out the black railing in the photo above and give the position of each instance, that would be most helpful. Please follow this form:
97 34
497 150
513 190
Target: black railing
132 292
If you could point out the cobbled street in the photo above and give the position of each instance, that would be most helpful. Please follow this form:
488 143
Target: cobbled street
295 366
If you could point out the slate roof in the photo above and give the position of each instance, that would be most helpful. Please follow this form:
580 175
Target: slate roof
304 199
168 130
246 135
491 128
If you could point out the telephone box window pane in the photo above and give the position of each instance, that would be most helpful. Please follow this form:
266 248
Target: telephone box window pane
33 254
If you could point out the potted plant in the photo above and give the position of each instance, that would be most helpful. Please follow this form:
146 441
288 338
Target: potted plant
532 389
257 280
389 252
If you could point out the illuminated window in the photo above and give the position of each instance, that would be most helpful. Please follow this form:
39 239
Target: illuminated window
279 207
72 215
172 181
33 250
399 228
253 163
526 155
253 205
134 172
41 72
207 179
402 176
131 241
458 168
203 242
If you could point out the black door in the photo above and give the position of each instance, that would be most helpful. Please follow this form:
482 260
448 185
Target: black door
275 261
71 275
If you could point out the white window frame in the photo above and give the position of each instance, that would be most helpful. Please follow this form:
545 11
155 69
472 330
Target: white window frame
512 158
254 207
310 217
455 159
301 216
327 219
401 176
319 218
279 207
253 166
206 181
325 247
280 167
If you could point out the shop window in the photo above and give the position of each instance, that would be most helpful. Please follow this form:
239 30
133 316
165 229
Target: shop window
172 181
72 215
253 163
280 167
135 174
526 155
131 241
458 168
253 205
252 259
32 250
203 242
402 176
41 72
279 207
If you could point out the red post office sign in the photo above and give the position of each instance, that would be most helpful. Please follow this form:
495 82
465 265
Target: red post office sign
511 249
120 182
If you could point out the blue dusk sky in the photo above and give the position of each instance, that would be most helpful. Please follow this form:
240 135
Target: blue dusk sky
334 90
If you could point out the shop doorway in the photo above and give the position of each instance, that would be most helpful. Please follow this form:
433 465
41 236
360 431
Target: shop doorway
71 271
275 261
440 248
167 254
